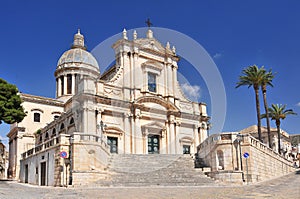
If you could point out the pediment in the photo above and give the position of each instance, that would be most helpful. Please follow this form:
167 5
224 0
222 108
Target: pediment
151 44
153 65
154 125
186 139
113 130
156 100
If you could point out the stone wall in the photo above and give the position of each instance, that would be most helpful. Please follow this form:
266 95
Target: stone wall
223 153
263 162
87 157
90 158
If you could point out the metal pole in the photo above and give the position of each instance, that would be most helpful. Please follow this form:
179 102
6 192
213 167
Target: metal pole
241 161
63 181
247 170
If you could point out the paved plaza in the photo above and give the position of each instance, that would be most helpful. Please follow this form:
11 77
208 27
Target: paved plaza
283 187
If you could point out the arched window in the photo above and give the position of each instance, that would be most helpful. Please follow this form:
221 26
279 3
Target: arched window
62 126
46 135
69 84
37 117
220 159
53 132
72 120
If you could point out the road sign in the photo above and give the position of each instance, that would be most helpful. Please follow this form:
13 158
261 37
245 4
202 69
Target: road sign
246 155
63 154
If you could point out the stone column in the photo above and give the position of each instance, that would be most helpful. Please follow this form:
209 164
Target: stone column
170 79
132 136
56 86
127 133
145 141
59 86
138 133
165 76
163 148
174 70
178 150
65 84
73 84
196 137
172 135
136 77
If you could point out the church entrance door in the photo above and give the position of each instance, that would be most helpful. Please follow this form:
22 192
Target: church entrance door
43 173
153 144
113 143
26 173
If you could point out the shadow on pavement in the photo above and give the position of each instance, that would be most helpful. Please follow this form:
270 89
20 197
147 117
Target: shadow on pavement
298 172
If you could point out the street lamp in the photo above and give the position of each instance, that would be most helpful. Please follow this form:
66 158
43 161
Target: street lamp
209 125
102 126
239 139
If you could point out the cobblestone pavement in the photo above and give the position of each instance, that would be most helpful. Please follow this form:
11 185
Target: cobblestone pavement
287 187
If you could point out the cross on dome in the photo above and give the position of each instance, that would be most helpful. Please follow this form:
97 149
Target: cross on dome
148 22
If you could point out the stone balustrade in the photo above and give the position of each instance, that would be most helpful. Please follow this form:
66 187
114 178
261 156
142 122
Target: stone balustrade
223 153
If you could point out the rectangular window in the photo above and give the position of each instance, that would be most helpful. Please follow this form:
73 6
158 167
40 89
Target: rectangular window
36 117
152 82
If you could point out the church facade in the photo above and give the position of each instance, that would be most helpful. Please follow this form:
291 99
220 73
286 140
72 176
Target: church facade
135 107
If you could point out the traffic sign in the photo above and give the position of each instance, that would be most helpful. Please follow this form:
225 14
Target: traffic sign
246 155
63 154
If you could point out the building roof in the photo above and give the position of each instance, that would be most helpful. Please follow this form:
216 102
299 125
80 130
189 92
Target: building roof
41 100
253 129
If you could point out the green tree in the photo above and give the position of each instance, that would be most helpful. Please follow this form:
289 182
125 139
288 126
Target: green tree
278 112
253 76
267 81
11 110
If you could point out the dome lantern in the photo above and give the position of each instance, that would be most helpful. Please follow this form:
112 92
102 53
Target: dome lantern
78 41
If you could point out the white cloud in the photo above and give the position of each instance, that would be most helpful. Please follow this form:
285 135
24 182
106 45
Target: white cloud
298 104
192 92
217 55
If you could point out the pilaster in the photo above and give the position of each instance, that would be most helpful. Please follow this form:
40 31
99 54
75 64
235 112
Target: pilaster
138 133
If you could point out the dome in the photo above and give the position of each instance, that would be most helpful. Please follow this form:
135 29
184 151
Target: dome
78 55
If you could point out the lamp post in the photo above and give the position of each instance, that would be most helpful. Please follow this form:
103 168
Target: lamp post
209 125
239 139
102 126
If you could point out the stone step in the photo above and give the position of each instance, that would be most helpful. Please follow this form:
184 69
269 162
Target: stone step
153 170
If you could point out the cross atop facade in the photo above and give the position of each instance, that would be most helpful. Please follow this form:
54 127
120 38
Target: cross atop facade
148 22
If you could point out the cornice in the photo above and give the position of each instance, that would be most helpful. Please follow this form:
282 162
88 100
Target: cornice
41 100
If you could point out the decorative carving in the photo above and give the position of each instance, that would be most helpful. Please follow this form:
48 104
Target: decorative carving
112 91
185 106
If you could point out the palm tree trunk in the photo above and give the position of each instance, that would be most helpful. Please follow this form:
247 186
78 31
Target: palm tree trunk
264 90
278 134
256 88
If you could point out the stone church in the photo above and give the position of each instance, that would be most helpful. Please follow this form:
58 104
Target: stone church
134 107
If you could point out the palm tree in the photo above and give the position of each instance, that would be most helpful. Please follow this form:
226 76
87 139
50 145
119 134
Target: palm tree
253 76
278 112
267 81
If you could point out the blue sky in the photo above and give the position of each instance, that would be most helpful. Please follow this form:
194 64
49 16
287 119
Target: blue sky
236 34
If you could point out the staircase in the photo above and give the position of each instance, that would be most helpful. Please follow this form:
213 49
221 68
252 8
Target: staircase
153 170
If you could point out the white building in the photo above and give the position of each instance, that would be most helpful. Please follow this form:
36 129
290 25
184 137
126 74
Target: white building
135 107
